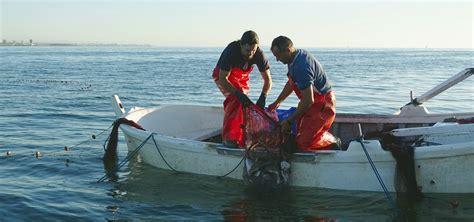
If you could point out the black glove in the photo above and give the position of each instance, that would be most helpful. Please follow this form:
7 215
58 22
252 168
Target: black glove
243 98
261 101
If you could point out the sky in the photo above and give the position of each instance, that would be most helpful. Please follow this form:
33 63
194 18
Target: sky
215 23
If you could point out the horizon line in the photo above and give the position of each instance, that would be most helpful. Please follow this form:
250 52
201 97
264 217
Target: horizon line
262 46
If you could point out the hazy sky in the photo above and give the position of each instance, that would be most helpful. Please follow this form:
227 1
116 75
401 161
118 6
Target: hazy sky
418 24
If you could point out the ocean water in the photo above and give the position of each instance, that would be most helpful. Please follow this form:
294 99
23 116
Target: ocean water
52 97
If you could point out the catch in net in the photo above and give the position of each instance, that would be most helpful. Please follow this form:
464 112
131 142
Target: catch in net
266 162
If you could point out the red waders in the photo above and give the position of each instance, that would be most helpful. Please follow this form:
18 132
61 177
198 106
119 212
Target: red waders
312 127
233 115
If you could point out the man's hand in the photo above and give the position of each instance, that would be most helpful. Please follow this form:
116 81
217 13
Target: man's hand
272 107
246 102
261 101
285 127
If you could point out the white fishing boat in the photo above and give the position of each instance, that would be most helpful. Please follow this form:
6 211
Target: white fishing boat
178 137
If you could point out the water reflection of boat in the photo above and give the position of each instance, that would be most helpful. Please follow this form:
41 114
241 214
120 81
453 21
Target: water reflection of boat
171 196
443 151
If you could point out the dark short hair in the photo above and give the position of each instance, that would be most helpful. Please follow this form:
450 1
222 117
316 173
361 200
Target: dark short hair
281 43
249 37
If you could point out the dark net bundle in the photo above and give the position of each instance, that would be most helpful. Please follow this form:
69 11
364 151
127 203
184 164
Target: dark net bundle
405 176
266 164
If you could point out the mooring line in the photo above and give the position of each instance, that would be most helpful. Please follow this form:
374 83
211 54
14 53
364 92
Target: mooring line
162 157
227 174
377 174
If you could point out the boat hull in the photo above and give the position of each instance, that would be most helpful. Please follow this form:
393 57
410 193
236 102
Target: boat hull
439 169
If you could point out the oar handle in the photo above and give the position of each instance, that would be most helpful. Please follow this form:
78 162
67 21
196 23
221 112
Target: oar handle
464 74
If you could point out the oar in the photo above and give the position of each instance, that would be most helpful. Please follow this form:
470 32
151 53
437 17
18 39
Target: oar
442 87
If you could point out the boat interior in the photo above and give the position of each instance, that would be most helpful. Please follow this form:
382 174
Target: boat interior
204 123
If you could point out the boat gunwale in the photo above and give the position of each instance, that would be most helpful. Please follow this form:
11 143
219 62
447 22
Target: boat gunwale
340 117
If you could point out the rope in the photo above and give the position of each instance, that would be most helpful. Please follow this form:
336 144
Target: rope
376 172
162 157
227 174
133 153
176 171
38 154
124 161
85 141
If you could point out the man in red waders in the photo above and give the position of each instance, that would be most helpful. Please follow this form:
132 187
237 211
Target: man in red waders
231 75
317 107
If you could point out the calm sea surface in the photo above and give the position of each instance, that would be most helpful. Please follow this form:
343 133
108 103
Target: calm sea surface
51 97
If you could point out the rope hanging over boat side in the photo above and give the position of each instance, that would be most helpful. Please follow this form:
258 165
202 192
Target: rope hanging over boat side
162 157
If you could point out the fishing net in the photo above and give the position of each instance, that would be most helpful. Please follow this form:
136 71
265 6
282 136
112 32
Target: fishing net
261 129
111 150
266 165
405 177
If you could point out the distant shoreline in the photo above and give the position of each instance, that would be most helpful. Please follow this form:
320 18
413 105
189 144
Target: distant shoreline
10 44
71 44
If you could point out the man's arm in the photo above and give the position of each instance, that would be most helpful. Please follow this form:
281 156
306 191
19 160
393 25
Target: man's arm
285 92
303 105
224 82
267 85
267 82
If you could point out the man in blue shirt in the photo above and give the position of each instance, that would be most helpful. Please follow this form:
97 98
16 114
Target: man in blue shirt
316 110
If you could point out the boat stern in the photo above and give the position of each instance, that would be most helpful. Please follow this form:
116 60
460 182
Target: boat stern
117 106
